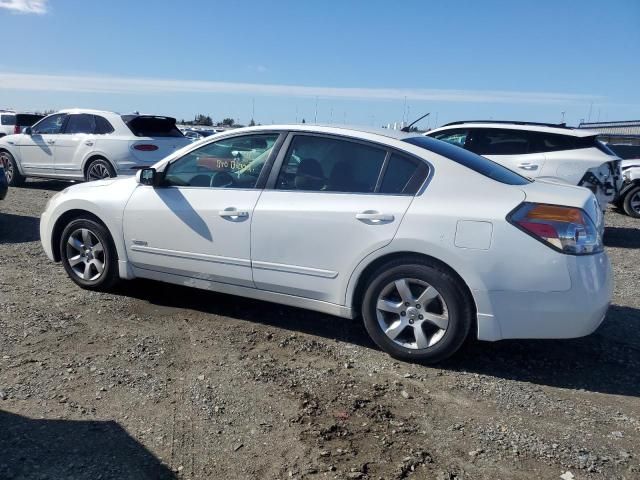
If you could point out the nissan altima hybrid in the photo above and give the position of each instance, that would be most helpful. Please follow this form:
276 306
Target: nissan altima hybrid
428 243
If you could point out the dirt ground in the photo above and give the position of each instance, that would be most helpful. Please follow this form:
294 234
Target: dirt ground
156 381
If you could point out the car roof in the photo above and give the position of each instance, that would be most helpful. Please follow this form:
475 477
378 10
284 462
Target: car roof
531 127
86 110
353 130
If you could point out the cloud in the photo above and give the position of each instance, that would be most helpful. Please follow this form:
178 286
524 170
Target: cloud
145 86
38 7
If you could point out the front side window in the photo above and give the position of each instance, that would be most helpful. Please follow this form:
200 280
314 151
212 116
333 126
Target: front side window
81 123
49 125
457 137
330 165
234 162
495 141
6 119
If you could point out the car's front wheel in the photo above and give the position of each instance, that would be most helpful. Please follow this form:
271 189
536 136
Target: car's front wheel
88 254
99 169
417 311
631 202
14 178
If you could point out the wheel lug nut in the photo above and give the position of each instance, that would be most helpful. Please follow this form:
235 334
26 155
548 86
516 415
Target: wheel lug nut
420 317
403 313
418 306
406 304
411 322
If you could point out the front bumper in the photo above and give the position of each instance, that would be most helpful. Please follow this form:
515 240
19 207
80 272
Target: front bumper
46 230
576 312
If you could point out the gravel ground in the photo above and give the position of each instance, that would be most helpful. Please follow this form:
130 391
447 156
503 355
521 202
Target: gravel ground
158 381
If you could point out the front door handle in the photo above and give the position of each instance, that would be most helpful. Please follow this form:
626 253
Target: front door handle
374 217
51 142
528 166
88 143
233 213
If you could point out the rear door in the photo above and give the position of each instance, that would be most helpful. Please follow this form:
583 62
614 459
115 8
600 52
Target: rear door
72 144
37 151
333 201
509 147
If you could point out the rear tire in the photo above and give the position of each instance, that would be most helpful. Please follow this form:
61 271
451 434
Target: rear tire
417 311
88 254
14 177
631 202
99 169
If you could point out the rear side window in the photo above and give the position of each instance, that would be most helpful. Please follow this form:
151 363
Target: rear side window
7 119
80 123
102 125
494 141
403 175
148 126
323 164
478 164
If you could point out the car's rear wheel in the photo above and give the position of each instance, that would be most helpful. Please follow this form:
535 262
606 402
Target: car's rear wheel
14 178
88 254
631 203
417 311
99 169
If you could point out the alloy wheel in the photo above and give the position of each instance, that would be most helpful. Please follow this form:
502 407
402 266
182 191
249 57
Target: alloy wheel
634 202
98 171
7 165
412 313
85 254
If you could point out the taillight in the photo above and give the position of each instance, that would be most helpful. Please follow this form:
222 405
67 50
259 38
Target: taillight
566 229
16 130
145 147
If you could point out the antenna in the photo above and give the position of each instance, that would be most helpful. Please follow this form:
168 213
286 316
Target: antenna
408 127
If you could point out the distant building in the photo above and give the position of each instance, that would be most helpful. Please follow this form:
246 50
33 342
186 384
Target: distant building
620 133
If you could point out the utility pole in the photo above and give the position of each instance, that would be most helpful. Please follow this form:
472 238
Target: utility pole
315 118
562 113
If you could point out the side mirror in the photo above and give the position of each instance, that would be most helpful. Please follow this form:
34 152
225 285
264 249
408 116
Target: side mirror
148 176
26 130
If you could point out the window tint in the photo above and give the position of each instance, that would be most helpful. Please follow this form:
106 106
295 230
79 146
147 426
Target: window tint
479 164
403 175
456 137
494 141
102 125
149 126
7 119
234 162
330 165
81 123
50 125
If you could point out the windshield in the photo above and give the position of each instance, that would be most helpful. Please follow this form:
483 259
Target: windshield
479 164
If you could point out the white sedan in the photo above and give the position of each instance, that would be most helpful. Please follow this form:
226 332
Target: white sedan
80 144
428 242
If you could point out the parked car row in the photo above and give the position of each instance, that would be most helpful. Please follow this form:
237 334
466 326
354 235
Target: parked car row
430 243
12 123
88 145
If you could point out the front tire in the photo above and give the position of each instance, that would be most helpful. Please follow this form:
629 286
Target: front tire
631 202
417 311
99 169
14 178
88 254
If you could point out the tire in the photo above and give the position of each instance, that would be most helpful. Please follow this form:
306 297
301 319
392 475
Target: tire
631 202
444 320
82 258
98 169
14 177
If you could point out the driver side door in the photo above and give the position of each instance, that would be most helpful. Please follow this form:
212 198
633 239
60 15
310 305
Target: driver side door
197 223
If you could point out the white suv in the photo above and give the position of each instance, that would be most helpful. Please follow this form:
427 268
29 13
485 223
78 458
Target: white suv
88 145
543 152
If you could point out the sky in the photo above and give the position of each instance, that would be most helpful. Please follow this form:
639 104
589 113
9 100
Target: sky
365 62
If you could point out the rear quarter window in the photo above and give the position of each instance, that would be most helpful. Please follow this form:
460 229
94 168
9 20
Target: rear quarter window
7 119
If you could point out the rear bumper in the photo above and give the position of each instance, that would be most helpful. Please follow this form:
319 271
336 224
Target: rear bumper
576 312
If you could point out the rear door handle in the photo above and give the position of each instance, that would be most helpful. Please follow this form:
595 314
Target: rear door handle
88 143
371 216
233 213
51 142
528 166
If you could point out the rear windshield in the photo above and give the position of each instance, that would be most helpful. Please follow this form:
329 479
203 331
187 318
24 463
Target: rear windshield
27 119
625 152
479 164
148 126
7 119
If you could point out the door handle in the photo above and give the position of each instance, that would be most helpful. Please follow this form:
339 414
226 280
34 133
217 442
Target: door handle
51 142
88 143
233 213
371 216
528 166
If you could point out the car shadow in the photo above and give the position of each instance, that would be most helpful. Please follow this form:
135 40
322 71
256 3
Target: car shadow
63 449
39 184
607 361
18 228
622 237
